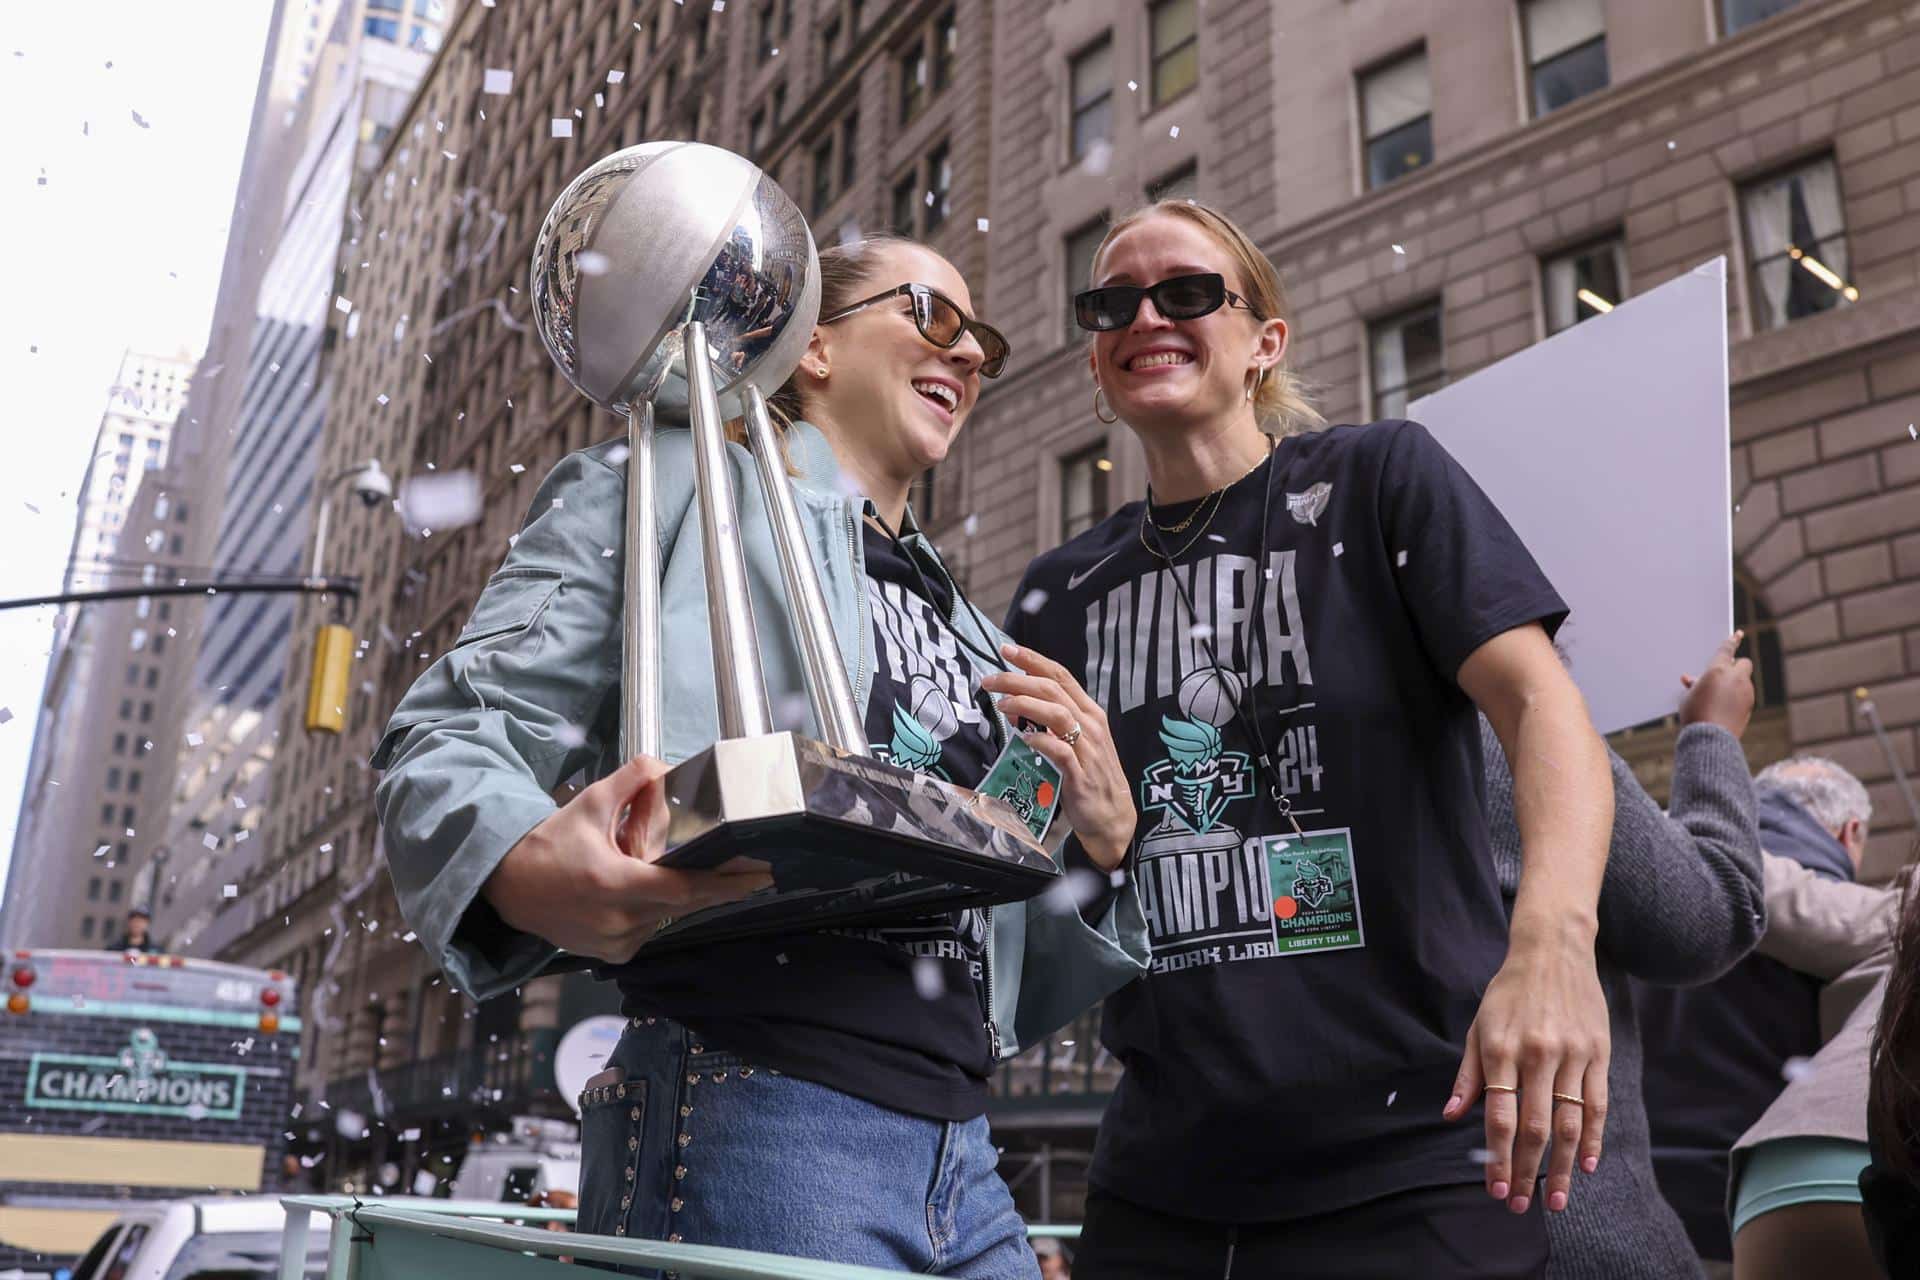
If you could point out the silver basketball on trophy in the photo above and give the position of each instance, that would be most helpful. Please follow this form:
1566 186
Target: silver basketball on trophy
660 235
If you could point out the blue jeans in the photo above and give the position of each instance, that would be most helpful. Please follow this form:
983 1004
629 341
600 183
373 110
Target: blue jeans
690 1143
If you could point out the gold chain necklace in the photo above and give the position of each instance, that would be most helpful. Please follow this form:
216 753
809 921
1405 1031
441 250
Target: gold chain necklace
1216 494
1219 496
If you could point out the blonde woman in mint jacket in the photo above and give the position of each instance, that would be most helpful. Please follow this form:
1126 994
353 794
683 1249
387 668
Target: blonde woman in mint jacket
819 1094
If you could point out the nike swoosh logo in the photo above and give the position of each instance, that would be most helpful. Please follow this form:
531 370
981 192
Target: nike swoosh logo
1074 580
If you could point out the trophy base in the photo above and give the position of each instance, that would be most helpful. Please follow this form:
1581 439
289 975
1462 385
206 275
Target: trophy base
847 839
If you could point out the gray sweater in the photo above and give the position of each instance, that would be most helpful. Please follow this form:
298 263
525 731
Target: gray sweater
1681 903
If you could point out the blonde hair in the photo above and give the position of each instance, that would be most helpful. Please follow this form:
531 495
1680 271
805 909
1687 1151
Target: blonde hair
1282 399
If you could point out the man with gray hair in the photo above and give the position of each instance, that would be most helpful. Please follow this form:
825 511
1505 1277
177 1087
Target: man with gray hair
1717 1055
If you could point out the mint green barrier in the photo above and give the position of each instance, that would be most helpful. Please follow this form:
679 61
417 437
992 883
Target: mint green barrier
408 1239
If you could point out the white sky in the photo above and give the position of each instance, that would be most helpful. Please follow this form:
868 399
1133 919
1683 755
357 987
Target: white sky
120 248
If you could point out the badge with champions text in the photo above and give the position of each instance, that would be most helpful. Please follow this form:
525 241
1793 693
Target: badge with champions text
1316 900
1028 782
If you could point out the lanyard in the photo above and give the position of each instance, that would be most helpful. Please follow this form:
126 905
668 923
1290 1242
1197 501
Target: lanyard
1248 715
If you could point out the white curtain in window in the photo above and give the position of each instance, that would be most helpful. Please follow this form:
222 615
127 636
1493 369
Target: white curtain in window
1561 287
1820 188
1555 26
1395 94
1767 226
1389 369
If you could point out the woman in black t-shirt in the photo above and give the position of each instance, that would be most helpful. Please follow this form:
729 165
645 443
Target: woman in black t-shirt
1290 638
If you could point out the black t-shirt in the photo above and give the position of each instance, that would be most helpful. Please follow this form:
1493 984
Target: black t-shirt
1308 1003
894 1014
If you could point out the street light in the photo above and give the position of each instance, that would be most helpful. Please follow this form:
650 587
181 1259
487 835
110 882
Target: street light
333 643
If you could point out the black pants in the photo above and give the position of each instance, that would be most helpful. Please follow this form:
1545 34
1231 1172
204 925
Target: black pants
1436 1233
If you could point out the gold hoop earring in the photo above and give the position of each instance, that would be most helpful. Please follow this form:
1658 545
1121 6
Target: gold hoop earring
1109 417
1259 378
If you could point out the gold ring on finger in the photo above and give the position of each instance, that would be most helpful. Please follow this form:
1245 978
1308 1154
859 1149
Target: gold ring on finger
1574 1098
1072 735
1501 1088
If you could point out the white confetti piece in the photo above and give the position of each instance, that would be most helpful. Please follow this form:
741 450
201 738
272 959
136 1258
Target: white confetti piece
1133 86
1200 631
562 127
229 890
1671 144
210 840
606 553
343 305
1339 548
592 262
102 850
515 467
1392 1096
928 982
979 224
498 81
1796 1068
1480 1155
617 455
1033 601
1400 249
781 958
971 526
423 1181
1400 559
615 77
1912 432
6 714
381 399
441 500
1174 131
141 121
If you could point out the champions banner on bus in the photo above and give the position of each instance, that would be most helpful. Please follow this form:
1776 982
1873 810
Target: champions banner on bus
140 1080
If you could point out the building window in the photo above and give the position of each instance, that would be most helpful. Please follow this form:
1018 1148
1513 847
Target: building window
153 673
1081 245
1796 244
1737 15
113 891
920 496
113 779
1566 50
939 187
779 103
757 132
1396 117
1091 76
126 816
1182 184
913 80
106 815
946 43
126 707
133 781
822 174
133 673
119 744
146 713
86 927
849 149
830 43
1763 643
1407 359
93 889
1083 489
383 29
905 197
1175 35
1583 283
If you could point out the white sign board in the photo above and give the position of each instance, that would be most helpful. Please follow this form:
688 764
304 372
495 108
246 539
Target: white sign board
582 1053
1606 447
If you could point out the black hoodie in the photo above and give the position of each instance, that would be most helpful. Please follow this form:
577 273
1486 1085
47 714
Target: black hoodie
1715 1054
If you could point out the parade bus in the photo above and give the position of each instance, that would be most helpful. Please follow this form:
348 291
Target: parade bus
128 1077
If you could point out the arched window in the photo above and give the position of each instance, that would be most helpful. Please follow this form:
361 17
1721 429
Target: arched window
1762 643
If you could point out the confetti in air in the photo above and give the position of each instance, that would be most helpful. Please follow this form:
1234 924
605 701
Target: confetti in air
229 890
210 840
1174 131
6 714
137 119
928 981
1400 249
443 500
1480 1155
498 82
1033 601
1400 559
562 127
1796 1069
979 224
1339 548
615 77
592 262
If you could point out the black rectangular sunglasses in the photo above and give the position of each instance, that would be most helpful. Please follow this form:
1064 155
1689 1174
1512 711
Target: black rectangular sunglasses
941 322
1176 298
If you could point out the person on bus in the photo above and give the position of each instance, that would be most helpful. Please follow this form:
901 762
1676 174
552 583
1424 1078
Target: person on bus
754 1073
138 935
1289 638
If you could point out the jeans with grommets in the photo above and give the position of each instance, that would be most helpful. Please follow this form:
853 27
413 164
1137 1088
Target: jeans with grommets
685 1142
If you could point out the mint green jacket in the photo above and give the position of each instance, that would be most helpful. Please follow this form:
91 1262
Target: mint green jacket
529 695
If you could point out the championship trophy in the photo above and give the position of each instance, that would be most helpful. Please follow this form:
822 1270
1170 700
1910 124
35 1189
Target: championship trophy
675 266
